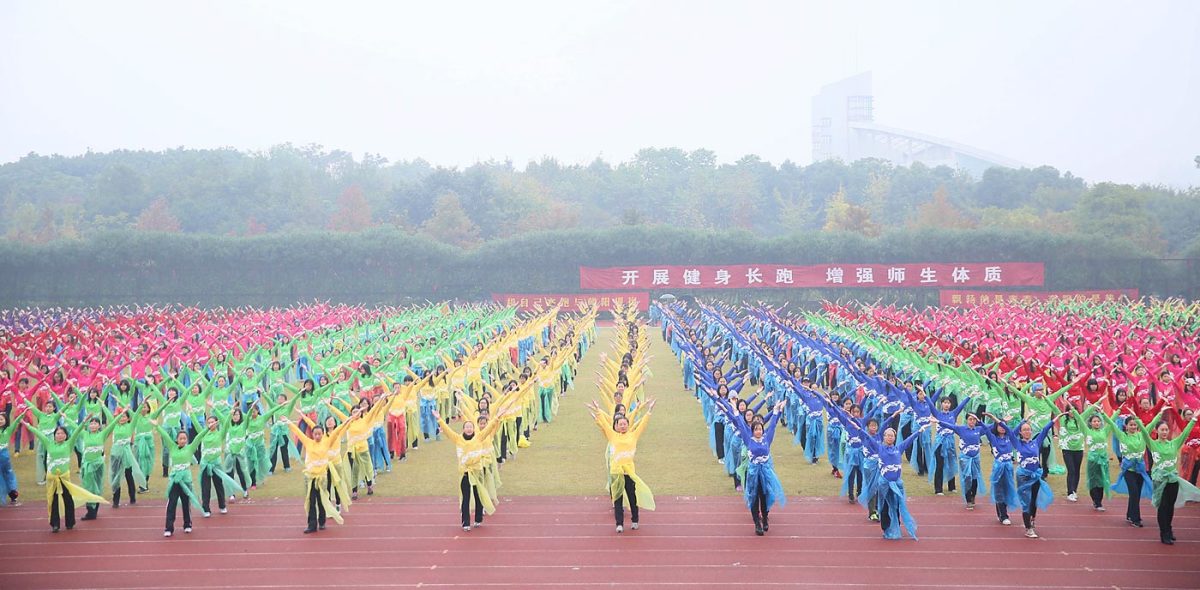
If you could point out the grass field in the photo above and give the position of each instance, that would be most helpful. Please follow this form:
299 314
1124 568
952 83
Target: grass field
567 455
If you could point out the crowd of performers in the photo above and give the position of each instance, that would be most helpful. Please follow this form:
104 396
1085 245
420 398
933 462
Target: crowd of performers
623 413
232 395
869 389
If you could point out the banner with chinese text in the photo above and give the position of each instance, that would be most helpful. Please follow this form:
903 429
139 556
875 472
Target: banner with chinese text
571 303
952 298
753 276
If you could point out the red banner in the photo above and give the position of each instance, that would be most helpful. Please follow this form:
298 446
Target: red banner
951 298
756 276
572 303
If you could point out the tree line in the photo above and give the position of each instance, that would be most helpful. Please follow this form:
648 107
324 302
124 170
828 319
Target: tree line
298 190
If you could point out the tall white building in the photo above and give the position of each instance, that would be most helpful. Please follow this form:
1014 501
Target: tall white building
844 128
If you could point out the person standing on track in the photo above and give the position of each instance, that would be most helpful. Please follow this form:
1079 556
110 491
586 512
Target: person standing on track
61 493
1170 490
625 484
893 502
1031 484
471 451
179 478
318 473
761 487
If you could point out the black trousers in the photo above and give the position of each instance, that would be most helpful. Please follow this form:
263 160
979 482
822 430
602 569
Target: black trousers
938 467
1044 452
719 433
1029 517
758 508
207 483
1097 495
281 452
175 496
619 504
239 471
1195 472
906 431
1074 461
132 488
885 517
1166 507
1001 510
316 508
856 481
1133 481
466 492
67 503
972 489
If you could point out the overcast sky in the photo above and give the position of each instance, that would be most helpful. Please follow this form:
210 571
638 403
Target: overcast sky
1108 90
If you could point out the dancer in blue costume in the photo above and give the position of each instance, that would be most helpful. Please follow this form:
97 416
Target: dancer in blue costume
893 503
762 489
1031 486
970 439
1004 479
834 433
944 454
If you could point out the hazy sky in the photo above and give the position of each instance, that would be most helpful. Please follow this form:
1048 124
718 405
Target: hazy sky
1107 90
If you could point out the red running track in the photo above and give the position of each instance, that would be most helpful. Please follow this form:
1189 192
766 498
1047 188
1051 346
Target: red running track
569 542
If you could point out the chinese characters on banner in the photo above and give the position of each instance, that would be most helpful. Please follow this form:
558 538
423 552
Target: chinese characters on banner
951 298
754 276
572 303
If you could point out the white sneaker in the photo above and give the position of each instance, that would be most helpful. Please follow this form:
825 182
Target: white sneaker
466 529
634 526
720 461
187 529
245 494
232 498
224 511
1100 509
1072 497
941 494
207 514
1032 534
166 533
620 529
1006 522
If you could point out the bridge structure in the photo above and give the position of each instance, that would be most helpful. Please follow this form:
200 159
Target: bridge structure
844 127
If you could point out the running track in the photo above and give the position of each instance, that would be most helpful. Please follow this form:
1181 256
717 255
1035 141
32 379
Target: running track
569 542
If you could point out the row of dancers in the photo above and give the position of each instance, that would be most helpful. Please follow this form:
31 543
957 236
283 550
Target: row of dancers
863 435
354 411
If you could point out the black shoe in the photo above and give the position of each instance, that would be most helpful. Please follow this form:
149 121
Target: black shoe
88 517
1136 523
1167 539
307 531
758 530
54 529
766 523
321 527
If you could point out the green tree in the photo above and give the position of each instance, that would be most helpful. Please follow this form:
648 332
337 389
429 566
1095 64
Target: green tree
450 223
939 212
1119 210
842 215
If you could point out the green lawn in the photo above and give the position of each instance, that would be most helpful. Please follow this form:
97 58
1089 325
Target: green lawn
567 456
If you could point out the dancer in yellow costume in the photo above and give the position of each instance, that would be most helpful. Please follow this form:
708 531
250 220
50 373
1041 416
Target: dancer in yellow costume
358 436
318 474
625 484
471 457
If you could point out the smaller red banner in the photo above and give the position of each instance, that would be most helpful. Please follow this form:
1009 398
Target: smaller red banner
952 298
572 302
